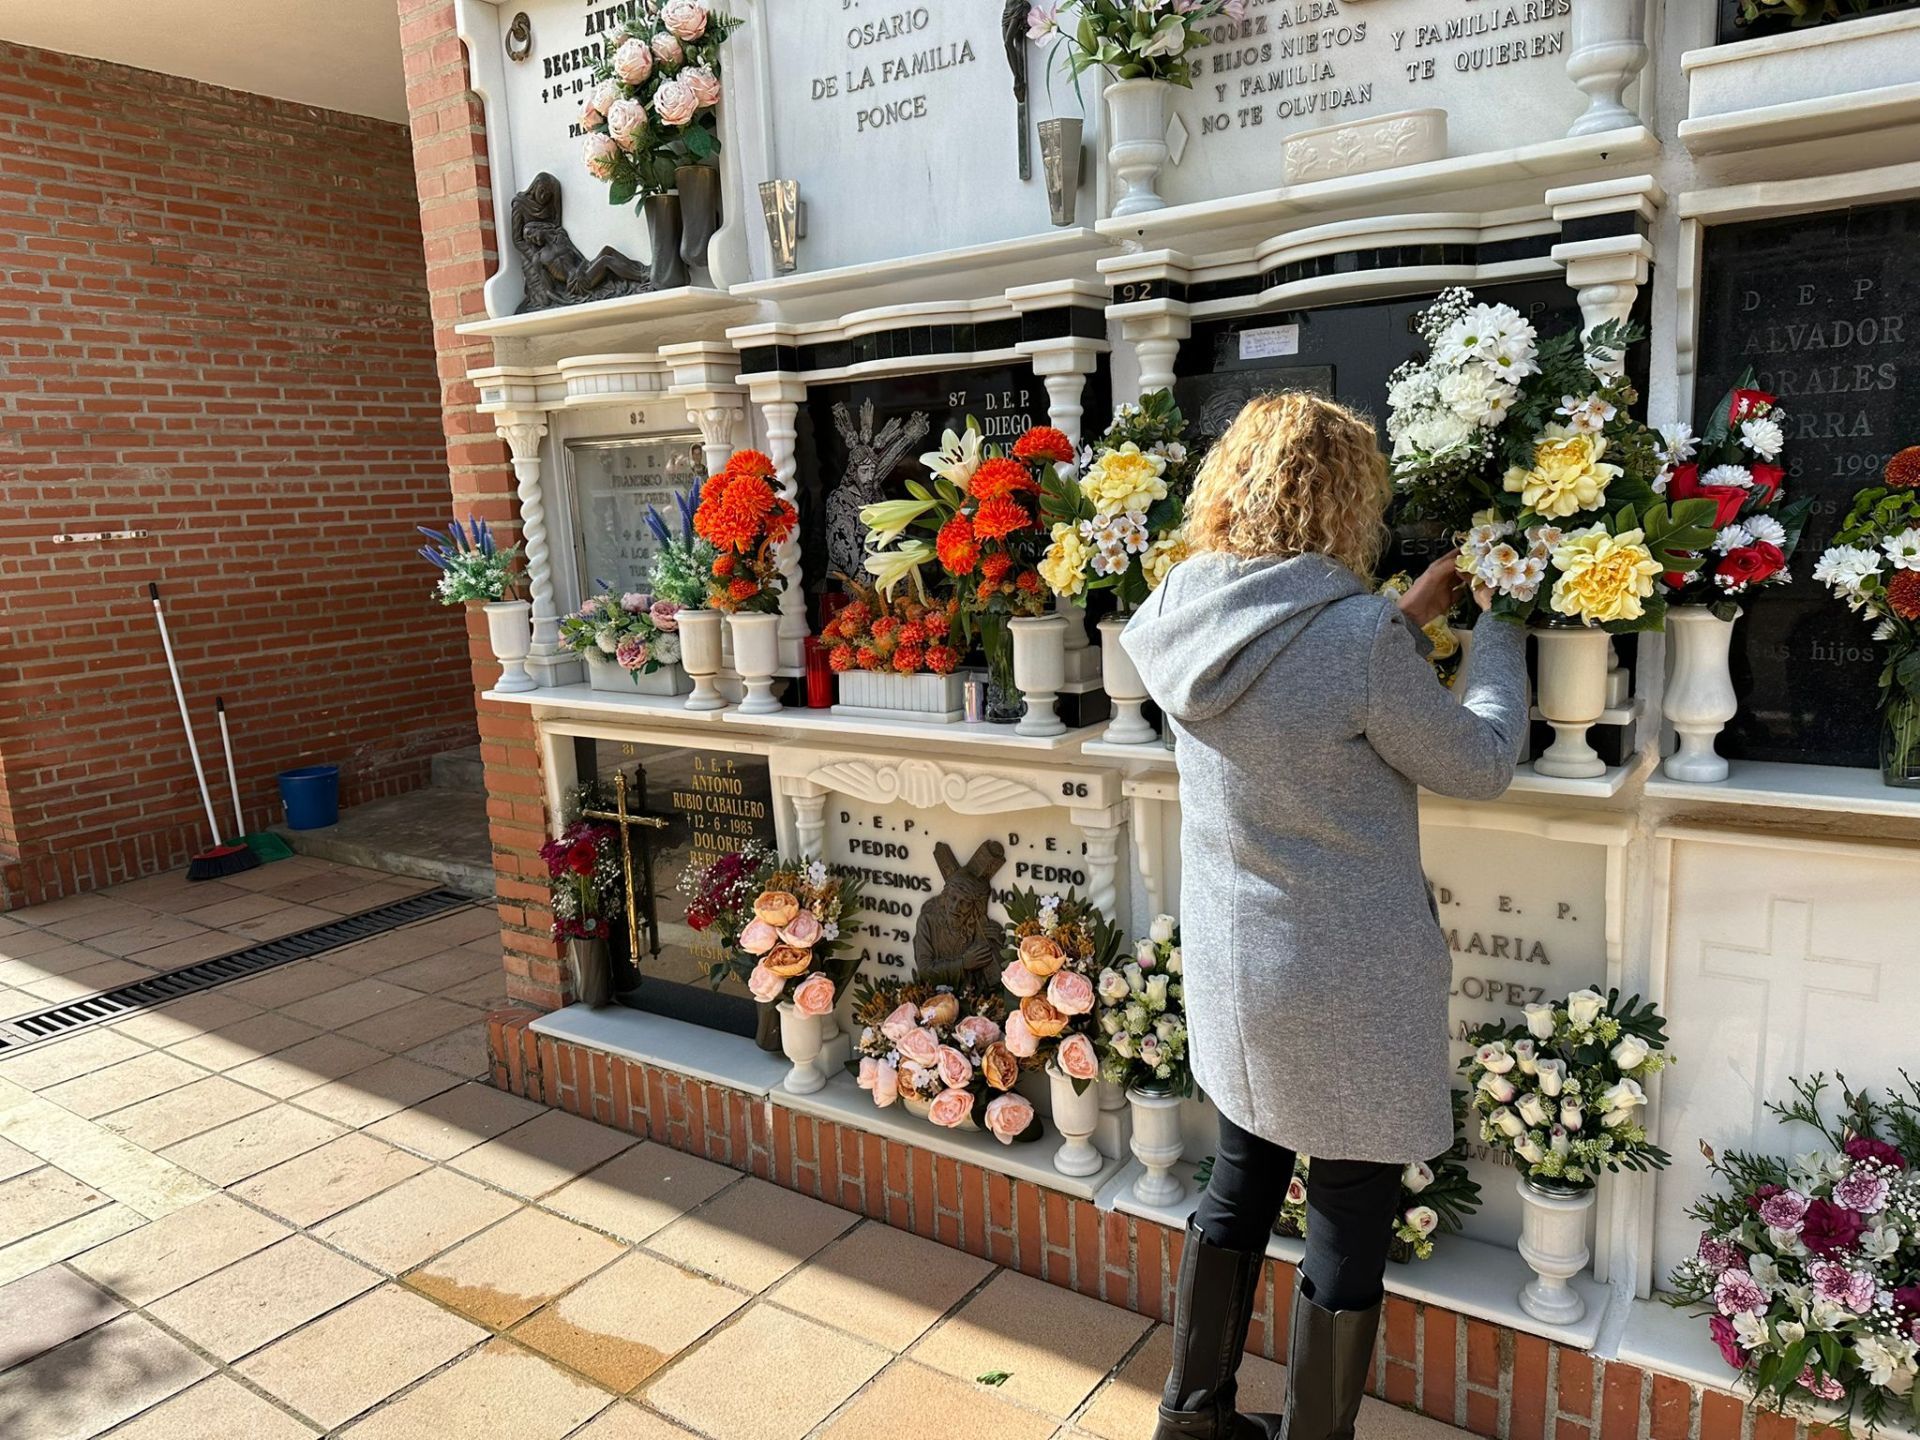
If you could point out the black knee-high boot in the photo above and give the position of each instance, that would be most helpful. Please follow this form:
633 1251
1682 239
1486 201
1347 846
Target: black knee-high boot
1211 1312
1328 1355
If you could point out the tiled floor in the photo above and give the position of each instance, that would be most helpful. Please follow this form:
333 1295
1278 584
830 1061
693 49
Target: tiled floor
285 1208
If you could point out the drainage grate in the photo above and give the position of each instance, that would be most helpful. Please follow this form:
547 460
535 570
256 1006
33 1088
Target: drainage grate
124 1000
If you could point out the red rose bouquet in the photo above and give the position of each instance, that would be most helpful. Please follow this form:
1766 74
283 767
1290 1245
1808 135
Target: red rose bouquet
745 519
1735 463
583 868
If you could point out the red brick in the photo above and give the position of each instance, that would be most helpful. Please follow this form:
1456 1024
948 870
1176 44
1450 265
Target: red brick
1575 1384
1771 1425
1672 1409
1150 1291
1721 1416
899 1187
1565 1429
1086 1246
973 1209
1483 1354
1439 1372
1285 1277
1027 1229
1400 1383
1400 1330
1527 1416
920 1168
1483 1413
1620 1403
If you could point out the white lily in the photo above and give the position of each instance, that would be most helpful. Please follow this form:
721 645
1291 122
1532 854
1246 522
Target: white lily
890 567
957 458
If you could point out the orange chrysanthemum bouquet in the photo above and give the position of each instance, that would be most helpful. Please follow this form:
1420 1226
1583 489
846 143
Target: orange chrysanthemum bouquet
745 519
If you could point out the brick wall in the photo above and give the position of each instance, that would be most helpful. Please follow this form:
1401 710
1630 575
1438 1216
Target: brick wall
456 220
1493 1381
213 327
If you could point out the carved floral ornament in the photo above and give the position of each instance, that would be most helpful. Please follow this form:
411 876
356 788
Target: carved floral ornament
925 785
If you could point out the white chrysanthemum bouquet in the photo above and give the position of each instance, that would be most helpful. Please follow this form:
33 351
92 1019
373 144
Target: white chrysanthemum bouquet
1142 1016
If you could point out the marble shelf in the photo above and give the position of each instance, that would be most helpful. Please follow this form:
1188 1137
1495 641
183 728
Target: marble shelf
1795 787
671 304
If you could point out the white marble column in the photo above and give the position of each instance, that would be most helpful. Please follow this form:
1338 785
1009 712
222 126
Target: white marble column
523 430
810 819
1103 829
704 380
779 401
719 422
1156 341
1063 365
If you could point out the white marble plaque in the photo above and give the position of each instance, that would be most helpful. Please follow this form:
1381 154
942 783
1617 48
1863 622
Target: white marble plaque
1497 67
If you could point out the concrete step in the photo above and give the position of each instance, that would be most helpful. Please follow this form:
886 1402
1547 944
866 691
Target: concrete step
460 770
436 834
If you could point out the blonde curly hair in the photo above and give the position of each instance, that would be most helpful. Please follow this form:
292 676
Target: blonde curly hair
1295 474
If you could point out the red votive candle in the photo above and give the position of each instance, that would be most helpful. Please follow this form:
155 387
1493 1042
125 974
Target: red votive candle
819 674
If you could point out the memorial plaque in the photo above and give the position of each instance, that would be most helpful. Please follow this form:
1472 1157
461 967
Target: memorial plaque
1497 67
1525 920
1823 308
614 483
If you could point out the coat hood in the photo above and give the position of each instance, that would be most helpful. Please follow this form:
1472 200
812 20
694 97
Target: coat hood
1218 621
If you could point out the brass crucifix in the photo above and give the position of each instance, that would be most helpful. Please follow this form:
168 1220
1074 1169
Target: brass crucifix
619 816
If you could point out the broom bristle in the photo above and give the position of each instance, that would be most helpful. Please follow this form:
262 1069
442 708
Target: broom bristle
222 860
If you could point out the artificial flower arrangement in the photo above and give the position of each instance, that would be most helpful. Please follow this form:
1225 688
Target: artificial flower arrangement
744 519
1443 645
1130 39
682 562
1436 1197
1802 13
719 896
1735 463
940 1049
1563 1093
632 630
1118 524
783 925
1810 1270
901 634
651 108
1874 565
1529 451
472 565
1142 1016
1055 948
583 869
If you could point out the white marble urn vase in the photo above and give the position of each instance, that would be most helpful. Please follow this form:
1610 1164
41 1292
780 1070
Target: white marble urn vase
1700 697
1039 670
1572 696
510 632
1137 141
802 1037
756 655
1120 677
701 646
1553 1242
1076 1114
1156 1143
1607 47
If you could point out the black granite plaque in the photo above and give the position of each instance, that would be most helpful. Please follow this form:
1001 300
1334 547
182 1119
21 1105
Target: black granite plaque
1824 308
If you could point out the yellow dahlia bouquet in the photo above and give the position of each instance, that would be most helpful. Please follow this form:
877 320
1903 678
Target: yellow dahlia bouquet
1529 450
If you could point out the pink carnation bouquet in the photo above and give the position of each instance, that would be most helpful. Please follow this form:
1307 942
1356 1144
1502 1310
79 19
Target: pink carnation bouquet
1808 1271
940 1051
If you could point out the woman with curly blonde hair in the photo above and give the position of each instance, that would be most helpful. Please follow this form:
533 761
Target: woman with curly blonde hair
1316 972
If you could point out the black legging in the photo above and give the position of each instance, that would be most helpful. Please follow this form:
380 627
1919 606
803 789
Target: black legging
1350 1212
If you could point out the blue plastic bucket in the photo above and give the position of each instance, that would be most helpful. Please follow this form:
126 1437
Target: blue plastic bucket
311 795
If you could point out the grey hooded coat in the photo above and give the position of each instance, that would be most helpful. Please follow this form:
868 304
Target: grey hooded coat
1306 718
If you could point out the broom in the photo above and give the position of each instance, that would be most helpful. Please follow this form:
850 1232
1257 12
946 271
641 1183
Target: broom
265 845
221 859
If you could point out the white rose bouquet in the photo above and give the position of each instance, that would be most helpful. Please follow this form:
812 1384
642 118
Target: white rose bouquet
650 103
1142 1016
1053 947
1809 1270
1119 524
1436 1196
1130 39
1562 1094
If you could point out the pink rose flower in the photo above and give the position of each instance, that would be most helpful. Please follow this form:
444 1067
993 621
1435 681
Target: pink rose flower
634 602
674 103
667 49
598 152
1737 1291
869 1068
1008 1117
951 1109
1070 993
977 1031
956 1071
1077 1059
665 616
1296 1191
1021 1041
633 61
1022 981
633 653
814 996
685 18
590 119
920 1046
764 984
1784 1211
604 94
903 1019
704 84
759 937
886 1084
804 930
627 123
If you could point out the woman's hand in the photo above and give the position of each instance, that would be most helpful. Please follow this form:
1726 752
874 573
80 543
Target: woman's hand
1433 594
1483 596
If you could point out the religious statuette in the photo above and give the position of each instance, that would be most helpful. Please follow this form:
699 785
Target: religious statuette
953 931
786 221
1013 29
554 270
871 457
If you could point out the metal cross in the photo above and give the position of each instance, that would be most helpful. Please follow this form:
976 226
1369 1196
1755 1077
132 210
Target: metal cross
619 816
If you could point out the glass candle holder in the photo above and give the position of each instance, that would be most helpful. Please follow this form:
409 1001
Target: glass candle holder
819 674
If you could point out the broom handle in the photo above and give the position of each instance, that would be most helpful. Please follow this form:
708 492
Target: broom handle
186 721
233 780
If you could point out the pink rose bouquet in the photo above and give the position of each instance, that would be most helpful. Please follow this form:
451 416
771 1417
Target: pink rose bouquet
686 19
941 1050
662 65
778 923
1808 1272
1054 947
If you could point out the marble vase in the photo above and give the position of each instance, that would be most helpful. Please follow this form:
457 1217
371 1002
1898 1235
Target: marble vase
1137 147
1572 696
1076 1114
801 1040
510 632
1157 1143
1120 677
1039 670
702 644
756 655
1700 697
1553 1242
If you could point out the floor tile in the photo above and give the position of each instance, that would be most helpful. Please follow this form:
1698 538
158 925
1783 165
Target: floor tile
622 1421
640 1192
369 897
218 1408
1055 1346
855 1283
704 1390
41 1199
87 980
629 1320
31 944
484 992
499 1390
107 1161
412 1023
375 1092
184 1019
286 984
1127 1407
62 1242
15 1161
103 914
455 1121
458 927
415 1220
95 1380
351 1002
149 934
256 1300
752 1234
434 974
48 1308
283 921
463 1052
326 1180
84 1053
128 1083
509 1271
244 1040
382 954
176 953
167 1119
256 1142
543 1154
360 1354
306 1066
910 1399
225 911
178 1249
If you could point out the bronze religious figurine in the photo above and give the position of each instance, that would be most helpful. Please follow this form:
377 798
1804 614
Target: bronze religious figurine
1013 31
954 932
553 269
